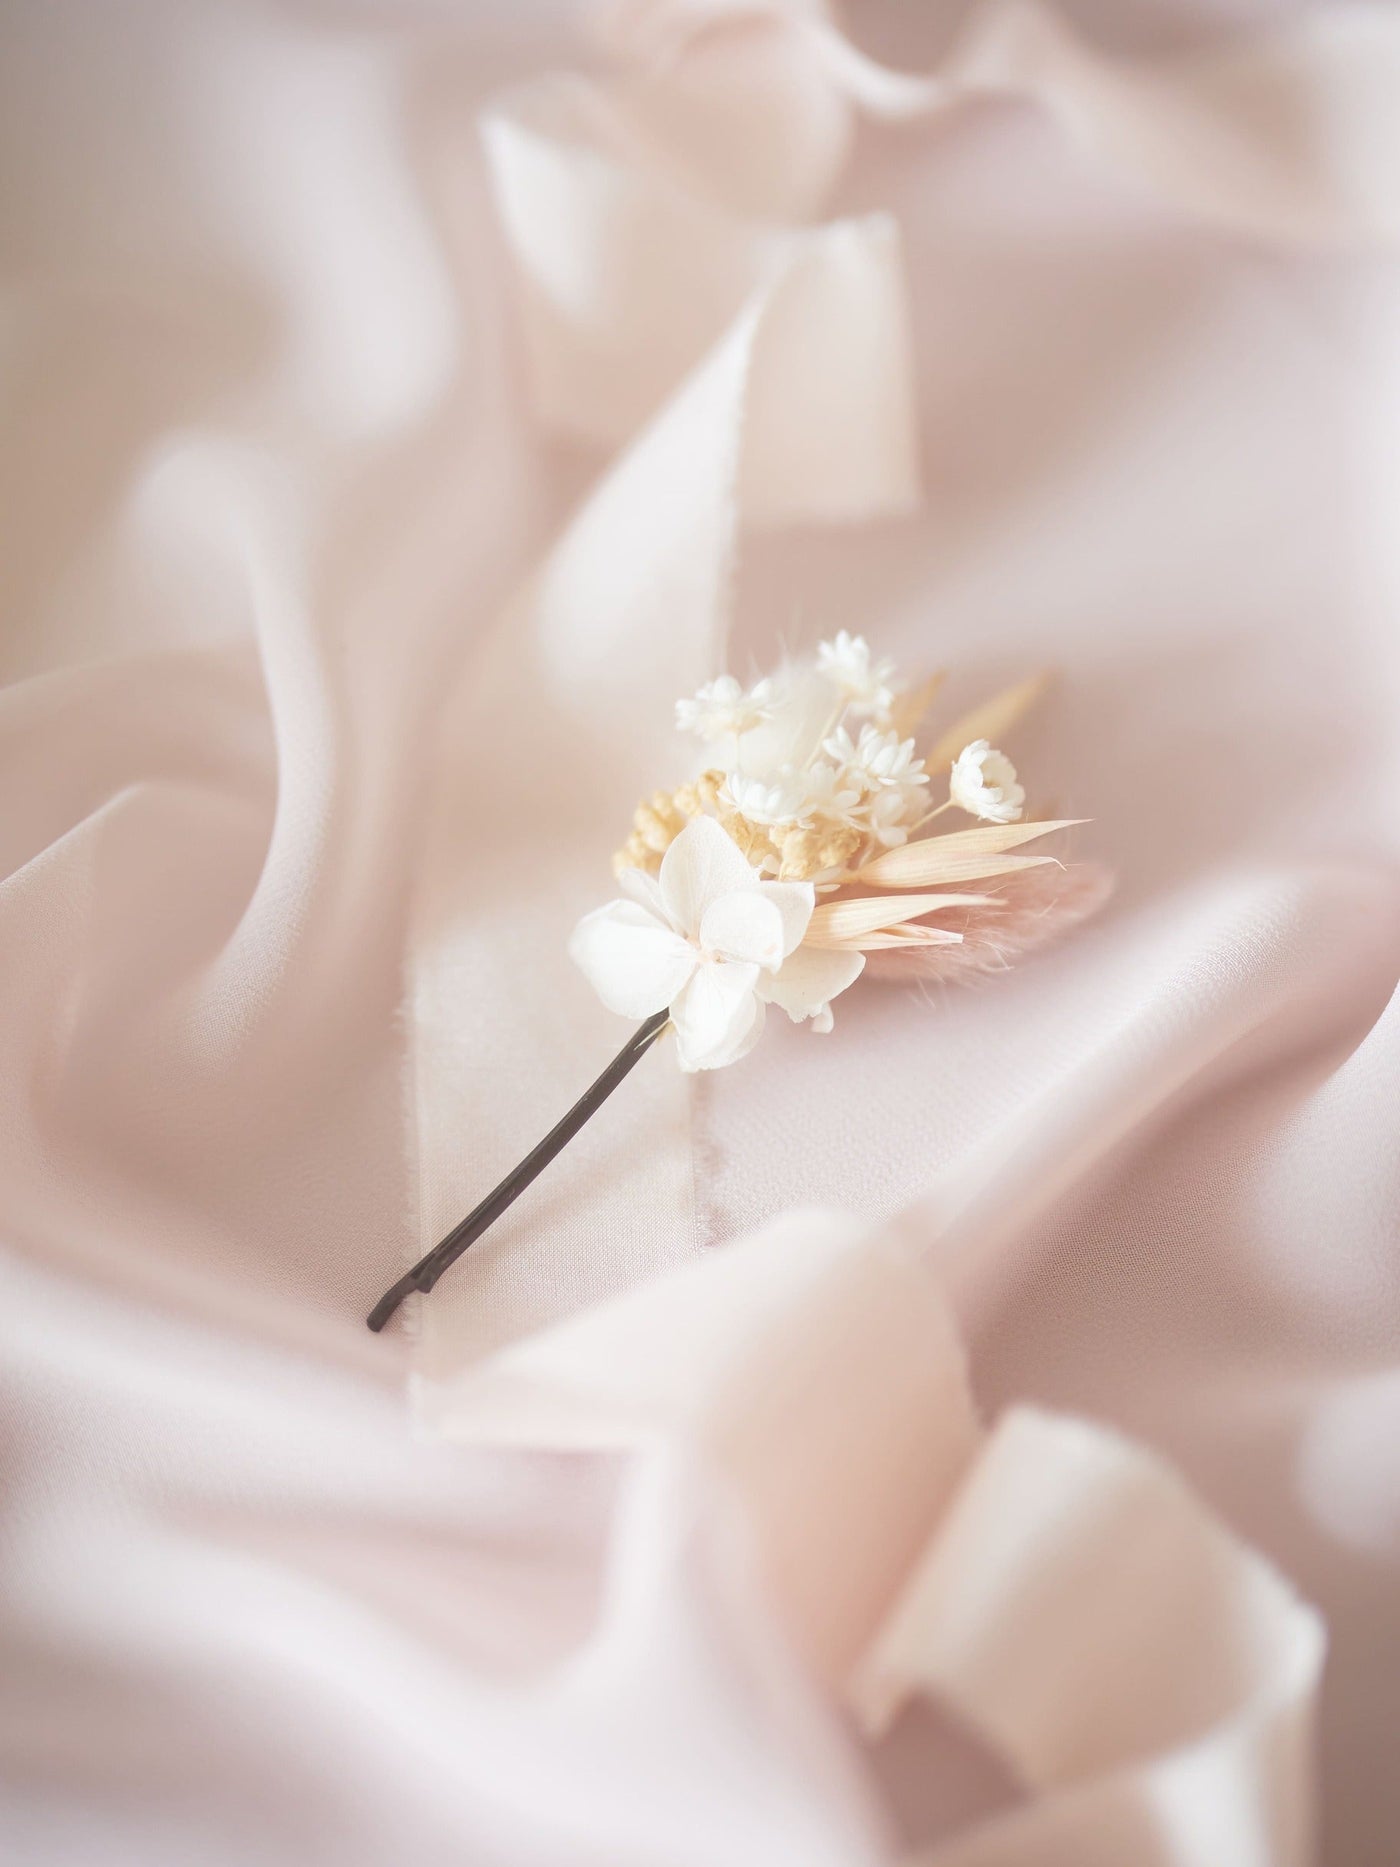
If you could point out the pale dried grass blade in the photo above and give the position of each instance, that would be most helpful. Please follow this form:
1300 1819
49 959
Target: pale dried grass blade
845 923
993 720
891 939
927 864
909 709
991 839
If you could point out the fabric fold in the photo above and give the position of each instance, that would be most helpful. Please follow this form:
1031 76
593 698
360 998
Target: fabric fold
1148 1680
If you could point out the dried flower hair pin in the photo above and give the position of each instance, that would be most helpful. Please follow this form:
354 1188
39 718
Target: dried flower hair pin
795 862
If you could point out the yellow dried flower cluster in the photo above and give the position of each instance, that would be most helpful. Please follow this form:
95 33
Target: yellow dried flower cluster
791 852
658 821
824 850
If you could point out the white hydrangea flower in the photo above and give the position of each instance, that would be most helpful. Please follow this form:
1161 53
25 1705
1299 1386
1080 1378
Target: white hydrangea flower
867 687
723 708
983 783
713 942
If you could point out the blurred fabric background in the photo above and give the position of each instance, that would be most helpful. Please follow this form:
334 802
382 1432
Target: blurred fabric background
403 404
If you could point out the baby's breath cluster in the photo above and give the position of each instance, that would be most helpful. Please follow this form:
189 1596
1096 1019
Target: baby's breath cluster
812 770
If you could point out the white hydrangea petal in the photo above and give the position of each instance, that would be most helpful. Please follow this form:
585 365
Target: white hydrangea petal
744 925
715 1015
702 864
794 901
743 1045
645 890
809 979
634 962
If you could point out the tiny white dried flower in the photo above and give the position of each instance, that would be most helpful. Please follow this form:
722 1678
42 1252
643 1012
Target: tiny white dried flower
828 792
888 814
792 797
780 798
723 707
877 759
866 686
888 776
983 783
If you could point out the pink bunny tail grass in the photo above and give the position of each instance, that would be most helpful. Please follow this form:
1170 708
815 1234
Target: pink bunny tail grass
1031 909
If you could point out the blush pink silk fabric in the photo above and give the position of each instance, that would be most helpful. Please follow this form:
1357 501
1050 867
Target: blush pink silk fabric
957 1440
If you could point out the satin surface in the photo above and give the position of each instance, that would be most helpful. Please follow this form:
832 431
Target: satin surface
405 408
